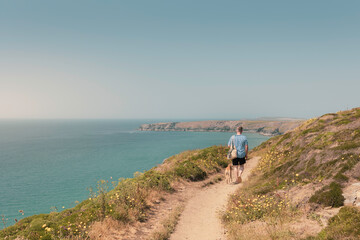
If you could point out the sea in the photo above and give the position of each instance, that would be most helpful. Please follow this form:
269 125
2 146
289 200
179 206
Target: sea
50 165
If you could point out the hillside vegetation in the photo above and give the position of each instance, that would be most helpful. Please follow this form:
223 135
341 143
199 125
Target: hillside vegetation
128 203
300 183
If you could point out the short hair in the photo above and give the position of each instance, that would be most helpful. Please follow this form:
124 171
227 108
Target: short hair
239 129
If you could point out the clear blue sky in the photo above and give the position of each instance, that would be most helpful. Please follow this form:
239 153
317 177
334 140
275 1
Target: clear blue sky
178 59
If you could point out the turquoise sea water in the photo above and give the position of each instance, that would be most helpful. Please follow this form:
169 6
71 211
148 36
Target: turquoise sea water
51 163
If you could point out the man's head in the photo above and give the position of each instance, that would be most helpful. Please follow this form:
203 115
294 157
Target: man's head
239 129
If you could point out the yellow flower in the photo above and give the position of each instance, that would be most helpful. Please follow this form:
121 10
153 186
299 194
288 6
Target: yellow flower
297 175
44 225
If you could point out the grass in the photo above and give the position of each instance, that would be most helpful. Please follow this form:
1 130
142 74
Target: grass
168 225
254 215
252 203
348 146
343 122
129 202
323 140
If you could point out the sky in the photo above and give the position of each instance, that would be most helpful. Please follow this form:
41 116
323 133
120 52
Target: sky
178 59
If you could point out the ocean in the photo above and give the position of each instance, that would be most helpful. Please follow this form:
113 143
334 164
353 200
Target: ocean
48 164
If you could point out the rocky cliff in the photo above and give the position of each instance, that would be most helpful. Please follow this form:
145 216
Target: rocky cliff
270 128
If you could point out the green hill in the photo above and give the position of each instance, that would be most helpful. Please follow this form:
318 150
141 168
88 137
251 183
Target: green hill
303 178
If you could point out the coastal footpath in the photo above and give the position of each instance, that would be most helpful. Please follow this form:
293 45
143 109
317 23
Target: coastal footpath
264 127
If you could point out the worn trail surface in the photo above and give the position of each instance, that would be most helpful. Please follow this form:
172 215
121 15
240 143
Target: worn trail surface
200 219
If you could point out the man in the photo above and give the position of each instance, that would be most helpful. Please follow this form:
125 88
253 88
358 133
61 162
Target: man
241 144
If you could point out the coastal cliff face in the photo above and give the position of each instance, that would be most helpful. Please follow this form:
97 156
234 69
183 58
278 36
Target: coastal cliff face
269 128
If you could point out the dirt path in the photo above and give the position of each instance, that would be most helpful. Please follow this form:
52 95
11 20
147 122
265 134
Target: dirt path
200 219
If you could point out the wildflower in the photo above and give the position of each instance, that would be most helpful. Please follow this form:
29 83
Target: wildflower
44 225
47 229
297 174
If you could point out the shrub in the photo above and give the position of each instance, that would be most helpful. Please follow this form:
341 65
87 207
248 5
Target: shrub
329 196
344 225
339 177
189 170
155 179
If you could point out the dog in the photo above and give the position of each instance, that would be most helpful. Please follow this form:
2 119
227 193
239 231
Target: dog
228 173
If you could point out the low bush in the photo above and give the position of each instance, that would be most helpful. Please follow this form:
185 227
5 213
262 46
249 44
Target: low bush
191 171
339 177
344 225
330 195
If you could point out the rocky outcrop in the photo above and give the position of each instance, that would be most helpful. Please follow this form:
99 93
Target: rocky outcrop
270 128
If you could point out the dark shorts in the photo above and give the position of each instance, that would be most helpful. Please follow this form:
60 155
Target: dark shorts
238 161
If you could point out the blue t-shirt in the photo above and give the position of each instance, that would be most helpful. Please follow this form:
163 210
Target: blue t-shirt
240 141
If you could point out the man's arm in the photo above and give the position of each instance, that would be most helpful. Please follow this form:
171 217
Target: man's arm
246 151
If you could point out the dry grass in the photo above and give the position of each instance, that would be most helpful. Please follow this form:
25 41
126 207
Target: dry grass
106 229
168 225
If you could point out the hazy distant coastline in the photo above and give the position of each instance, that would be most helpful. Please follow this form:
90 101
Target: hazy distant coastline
264 127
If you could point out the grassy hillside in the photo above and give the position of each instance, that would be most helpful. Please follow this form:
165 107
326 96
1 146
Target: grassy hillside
299 183
128 203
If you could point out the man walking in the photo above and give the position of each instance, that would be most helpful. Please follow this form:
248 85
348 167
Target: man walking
241 143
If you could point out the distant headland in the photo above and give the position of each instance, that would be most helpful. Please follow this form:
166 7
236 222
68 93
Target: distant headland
266 127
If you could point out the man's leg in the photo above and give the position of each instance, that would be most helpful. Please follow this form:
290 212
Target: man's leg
239 172
241 169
